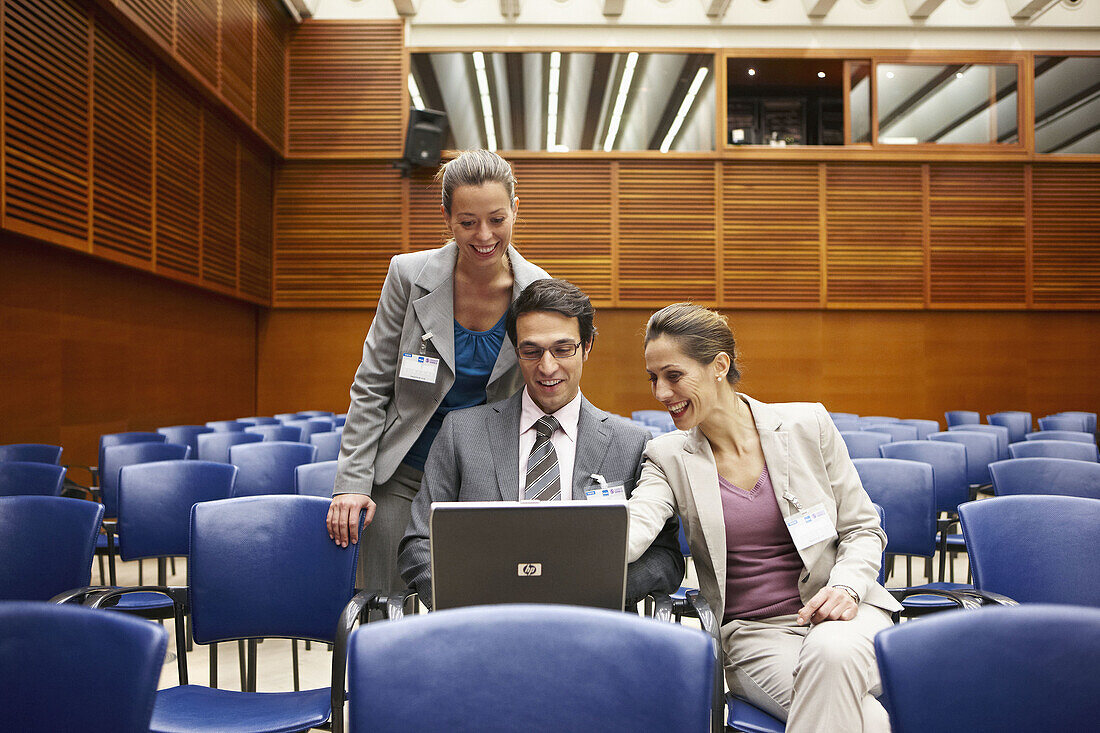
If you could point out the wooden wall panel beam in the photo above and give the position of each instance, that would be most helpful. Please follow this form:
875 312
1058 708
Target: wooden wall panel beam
1066 235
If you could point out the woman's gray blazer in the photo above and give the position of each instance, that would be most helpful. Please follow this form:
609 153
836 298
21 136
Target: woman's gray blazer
387 414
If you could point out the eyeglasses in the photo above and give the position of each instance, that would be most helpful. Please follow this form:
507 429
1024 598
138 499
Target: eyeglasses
558 351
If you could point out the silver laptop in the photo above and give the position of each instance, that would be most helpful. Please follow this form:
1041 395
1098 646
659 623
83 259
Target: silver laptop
528 552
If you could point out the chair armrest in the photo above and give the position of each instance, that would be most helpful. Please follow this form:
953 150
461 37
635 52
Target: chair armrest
392 605
180 608
83 596
659 606
360 604
988 598
695 606
962 599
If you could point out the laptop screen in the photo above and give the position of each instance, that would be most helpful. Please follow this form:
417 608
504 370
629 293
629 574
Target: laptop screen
528 552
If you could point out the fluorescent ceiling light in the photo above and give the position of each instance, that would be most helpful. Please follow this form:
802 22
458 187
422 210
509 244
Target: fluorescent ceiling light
414 92
486 102
552 101
685 107
620 102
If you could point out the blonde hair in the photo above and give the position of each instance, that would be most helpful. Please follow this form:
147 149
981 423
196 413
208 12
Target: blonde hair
475 168
701 333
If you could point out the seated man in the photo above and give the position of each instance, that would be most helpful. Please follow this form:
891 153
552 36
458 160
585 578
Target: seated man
547 440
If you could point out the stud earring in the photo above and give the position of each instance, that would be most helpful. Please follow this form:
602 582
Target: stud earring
719 379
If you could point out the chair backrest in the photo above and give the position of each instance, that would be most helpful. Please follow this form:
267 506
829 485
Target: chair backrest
961 417
882 523
259 420
924 427
265 566
659 419
847 424
1021 668
1018 424
981 450
268 467
1054 449
117 456
185 435
283 432
307 414
31 453
112 439
1090 419
310 426
1075 436
215 446
285 416
1035 549
315 479
906 493
22 478
1064 422
869 420
155 500
896 430
46 546
527 667
227 426
327 444
948 461
69 668
843 415
1000 431
339 421
1050 476
864 443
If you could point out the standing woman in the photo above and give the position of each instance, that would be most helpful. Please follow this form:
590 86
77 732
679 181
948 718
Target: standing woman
800 604
437 343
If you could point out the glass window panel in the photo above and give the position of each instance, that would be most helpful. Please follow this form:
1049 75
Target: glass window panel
570 101
971 104
777 101
859 100
1067 104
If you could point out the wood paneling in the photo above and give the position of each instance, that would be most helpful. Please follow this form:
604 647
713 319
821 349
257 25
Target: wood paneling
255 197
875 252
771 235
47 120
197 38
122 148
337 225
426 228
156 17
237 53
219 200
978 238
347 89
901 363
1066 225
271 71
94 347
178 182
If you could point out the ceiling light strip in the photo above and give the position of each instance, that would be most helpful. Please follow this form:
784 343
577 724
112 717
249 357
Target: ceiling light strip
685 107
552 100
486 102
620 102
414 92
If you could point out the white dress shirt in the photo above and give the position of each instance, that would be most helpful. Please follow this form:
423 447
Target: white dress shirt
564 440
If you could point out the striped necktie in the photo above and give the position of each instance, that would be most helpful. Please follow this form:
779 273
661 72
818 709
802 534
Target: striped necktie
543 482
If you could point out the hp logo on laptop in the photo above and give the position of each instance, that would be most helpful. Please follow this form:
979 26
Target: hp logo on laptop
529 569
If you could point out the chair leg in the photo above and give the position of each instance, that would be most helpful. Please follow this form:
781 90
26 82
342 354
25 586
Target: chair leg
214 665
102 572
243 664
141 572
173 561
294 661
909 571
253 653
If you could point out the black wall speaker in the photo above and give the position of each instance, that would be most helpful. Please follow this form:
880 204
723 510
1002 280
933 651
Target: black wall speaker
424 137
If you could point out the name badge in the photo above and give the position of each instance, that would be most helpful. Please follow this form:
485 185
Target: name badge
810 527
614 492
419 367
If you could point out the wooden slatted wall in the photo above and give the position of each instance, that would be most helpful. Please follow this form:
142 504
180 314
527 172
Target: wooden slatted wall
107 151
347 93
755 235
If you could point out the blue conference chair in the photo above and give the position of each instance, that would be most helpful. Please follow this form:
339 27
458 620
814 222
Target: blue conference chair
1075 436
315 479
285 416
843 415
924 427
1054 449
307 414
185 435
1090 419
1036 665
896 430
847 424
21 478
215 446
1050 476
227 426
261 567
338 421
526 667
109 440
659 419
864 443
268 467
981 450
46 546
68 668
868 420
31 453
1000 432
1035 549
283 432
1076 423
258 420
310 426
1017 422
962 417
327 444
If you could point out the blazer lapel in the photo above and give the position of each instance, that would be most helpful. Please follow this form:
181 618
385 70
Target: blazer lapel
503 430
435 309
702 480
593 439
774 441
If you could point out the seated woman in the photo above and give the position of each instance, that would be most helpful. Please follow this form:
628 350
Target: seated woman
799 600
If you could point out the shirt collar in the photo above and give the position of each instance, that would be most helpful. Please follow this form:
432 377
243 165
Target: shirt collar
568 416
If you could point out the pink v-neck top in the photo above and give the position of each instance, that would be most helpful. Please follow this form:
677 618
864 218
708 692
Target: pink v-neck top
762 564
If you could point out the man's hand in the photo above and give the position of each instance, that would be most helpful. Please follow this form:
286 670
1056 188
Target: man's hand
343 517
828 604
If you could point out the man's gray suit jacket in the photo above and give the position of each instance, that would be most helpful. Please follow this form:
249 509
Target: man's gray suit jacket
475 457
